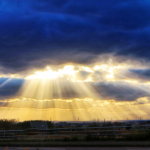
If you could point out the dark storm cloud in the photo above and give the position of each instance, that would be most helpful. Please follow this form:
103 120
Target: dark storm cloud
129 15
41 30
120 91
141 75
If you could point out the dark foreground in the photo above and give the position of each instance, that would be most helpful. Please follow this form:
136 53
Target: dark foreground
78 144
75 148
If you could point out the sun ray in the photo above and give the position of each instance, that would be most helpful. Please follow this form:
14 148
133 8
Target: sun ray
9 79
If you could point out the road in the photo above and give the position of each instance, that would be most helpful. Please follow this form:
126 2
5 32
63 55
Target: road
75 148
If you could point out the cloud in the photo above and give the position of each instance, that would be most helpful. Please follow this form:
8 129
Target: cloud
35 31
139 75
141 101
121 91
127 15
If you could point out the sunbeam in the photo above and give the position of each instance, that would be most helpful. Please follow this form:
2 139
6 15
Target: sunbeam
63 95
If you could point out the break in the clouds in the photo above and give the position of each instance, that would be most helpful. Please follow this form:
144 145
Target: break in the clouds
40 32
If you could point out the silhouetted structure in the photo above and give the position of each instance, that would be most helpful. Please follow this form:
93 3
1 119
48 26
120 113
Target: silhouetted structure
39 125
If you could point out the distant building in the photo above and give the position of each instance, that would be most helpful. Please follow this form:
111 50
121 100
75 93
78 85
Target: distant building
39 125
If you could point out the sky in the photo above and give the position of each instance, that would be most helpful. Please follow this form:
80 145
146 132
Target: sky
61 59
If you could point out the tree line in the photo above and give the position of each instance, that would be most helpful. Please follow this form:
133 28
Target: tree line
14 125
